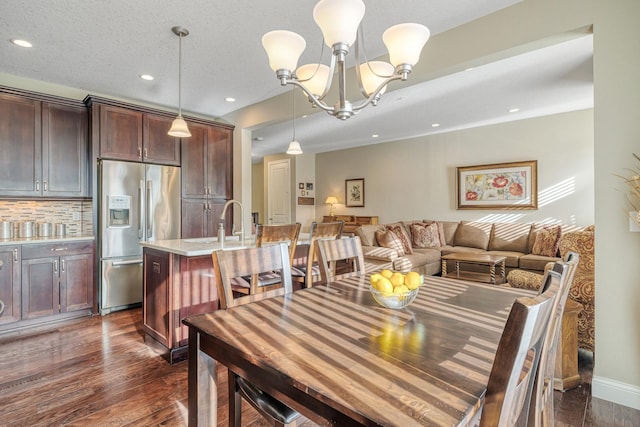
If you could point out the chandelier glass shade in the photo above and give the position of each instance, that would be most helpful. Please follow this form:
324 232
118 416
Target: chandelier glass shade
179 128
339 21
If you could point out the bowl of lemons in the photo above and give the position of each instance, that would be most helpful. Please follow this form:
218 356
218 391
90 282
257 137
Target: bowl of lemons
394 289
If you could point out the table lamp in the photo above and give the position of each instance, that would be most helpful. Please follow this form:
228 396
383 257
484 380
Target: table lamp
331 200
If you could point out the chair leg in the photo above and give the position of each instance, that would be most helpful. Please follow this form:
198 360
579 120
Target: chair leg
235 401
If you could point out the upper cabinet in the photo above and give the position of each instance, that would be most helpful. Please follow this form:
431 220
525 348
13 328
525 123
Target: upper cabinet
208 155
44 148
130 134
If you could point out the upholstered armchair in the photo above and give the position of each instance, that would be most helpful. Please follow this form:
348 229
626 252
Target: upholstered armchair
583 286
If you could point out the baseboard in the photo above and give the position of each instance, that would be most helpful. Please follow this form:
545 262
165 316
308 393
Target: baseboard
616 391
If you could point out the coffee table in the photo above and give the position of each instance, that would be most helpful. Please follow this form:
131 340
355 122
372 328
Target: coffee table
490 261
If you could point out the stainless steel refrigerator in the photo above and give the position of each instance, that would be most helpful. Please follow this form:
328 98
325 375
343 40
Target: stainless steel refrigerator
138 202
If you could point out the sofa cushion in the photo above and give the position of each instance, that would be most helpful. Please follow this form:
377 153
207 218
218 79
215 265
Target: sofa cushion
418 258
388 239
367 233
425 236
535 262
547 241
379 253
513 258
448 230
473 234
511 237
452 249
401 233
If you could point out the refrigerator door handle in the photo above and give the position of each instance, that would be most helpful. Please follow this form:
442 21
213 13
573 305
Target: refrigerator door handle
130 262
149 219
140 209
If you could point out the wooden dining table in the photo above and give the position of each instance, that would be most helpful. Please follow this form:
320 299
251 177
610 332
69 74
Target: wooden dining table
335 355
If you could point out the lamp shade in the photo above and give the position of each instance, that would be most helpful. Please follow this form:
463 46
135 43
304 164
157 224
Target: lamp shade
314 77
405 42
294 148
373 73
179 128
339 20
283 49
331 200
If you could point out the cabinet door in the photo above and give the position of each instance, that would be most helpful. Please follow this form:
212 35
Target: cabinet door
193 162
20 146
76 282
195 218
65 151
10 283
120 133
158 147
215 208
219 170
40 287
156 311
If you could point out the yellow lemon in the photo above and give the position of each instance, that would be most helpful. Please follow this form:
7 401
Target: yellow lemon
397 279
399 290
374 278
387 273
412 280
384 285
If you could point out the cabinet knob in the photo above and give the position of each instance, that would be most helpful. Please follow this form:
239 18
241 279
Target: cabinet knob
55 267
140 152
15 255
38 185
146 154
62 266
44 183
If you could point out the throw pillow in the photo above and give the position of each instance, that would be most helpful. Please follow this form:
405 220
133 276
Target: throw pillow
387 239
401 233
547 241
425 236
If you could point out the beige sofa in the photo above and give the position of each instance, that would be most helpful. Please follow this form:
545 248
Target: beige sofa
514 241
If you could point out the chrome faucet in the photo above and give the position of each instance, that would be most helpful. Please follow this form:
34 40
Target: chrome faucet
222 218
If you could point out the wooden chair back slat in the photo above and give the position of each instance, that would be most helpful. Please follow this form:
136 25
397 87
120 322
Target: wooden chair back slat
229 264
517 359
332 251
318 231
271 234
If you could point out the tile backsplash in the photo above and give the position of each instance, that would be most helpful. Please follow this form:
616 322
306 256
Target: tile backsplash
77 215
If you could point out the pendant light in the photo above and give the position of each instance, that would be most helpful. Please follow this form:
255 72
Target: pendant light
179 127
294 146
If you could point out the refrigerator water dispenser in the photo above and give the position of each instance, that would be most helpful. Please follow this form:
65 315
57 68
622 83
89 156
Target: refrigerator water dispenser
119 208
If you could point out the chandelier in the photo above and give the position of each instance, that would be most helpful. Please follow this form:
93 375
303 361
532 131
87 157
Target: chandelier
339 21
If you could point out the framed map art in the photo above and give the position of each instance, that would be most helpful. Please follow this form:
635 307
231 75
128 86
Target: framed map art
498 186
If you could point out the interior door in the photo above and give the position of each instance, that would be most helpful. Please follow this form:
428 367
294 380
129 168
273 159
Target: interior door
279 193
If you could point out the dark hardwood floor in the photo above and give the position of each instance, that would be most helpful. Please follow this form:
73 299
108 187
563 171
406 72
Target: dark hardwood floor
98 372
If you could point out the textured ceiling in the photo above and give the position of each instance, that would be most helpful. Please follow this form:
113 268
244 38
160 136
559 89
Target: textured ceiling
101 47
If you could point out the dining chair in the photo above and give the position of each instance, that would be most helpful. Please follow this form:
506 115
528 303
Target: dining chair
511 381
307 271
542 408
331 252
229 264
268 235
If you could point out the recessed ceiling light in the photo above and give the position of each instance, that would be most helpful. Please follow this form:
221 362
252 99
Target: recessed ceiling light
146 77
305 116
470 68
229 99
375 135
514 110
21 43
435 125
258 138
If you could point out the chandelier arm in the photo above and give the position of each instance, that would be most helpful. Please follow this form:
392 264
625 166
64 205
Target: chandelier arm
332 68
312 98
375 95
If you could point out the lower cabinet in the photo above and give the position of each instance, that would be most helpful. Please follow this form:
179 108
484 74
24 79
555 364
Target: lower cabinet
56 278
10 283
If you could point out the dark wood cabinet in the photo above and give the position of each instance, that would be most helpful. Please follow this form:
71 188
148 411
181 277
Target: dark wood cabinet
65 151
20 146
120 133
130 134
156 294
44 148
10 283
157 146
56 278
200 218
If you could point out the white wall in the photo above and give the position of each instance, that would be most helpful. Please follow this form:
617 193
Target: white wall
416 178
305 173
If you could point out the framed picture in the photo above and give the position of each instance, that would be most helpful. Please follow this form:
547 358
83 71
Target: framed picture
354 192
301 185
309 186
498 186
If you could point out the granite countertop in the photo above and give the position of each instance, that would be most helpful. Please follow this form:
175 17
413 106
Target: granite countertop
206 245
52 239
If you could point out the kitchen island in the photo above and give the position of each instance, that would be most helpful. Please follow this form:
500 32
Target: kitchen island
178 281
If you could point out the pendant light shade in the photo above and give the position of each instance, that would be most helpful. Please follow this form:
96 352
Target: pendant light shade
314 77
339 20
405 42
179 128
283 49
294 148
